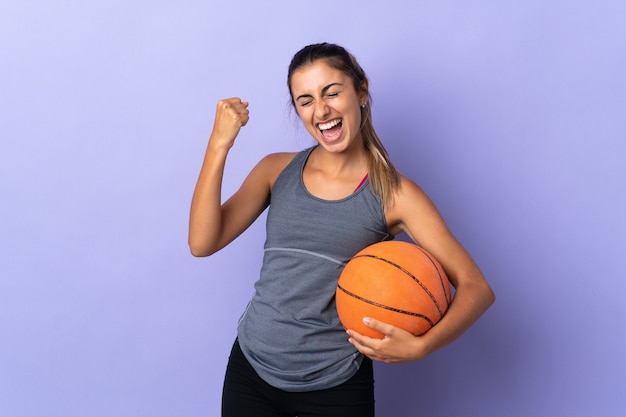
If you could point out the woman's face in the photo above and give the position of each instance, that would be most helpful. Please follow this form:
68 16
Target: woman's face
328 105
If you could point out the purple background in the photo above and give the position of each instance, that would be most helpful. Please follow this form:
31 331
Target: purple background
511 115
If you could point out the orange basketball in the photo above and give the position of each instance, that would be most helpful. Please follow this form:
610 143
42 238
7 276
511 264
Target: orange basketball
395 282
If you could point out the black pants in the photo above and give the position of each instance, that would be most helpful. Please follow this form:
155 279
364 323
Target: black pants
247 395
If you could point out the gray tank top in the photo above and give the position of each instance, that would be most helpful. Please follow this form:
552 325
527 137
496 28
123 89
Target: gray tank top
290 331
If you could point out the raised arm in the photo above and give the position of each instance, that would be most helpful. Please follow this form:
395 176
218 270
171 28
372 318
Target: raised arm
206 222
213 225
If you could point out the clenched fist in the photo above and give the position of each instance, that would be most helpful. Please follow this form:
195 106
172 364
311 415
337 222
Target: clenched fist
231 115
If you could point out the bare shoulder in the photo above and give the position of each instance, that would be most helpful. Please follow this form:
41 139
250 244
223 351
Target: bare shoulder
410 194
280 159
271 165
254 192
410 205
276 161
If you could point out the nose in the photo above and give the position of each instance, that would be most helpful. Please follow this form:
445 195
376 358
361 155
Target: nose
321 109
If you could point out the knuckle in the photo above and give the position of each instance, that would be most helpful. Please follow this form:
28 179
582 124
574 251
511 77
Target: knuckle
226 103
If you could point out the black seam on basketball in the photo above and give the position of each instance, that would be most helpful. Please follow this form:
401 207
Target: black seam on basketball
441 279
375 304
413 277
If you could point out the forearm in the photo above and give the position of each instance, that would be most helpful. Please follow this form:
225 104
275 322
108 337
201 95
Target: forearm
473 297
205 219
470 301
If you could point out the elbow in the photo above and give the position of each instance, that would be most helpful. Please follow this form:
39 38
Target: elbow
200 251
489 295
481 293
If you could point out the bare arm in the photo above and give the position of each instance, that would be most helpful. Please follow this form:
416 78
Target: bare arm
213 225
415 214
208 227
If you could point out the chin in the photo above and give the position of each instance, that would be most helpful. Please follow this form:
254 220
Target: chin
335 145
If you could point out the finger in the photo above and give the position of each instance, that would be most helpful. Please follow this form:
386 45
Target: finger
236 109
361 341
366 345
238 103
244 116
241 108
233 103
384 328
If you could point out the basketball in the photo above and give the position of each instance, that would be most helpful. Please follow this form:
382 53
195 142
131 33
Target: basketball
396 282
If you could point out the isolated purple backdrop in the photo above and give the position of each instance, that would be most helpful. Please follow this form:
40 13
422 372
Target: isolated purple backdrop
511 115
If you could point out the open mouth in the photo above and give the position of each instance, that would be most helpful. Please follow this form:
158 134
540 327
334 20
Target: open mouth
331 130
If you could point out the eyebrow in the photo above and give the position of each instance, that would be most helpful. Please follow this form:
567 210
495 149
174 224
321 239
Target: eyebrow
324 90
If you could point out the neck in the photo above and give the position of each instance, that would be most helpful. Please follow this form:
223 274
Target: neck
349 161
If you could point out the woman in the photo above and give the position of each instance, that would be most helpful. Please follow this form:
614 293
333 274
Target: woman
292 357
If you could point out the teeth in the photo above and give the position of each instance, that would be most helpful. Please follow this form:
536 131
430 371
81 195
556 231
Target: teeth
332 123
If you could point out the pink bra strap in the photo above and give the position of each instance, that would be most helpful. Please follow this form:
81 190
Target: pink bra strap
361 183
